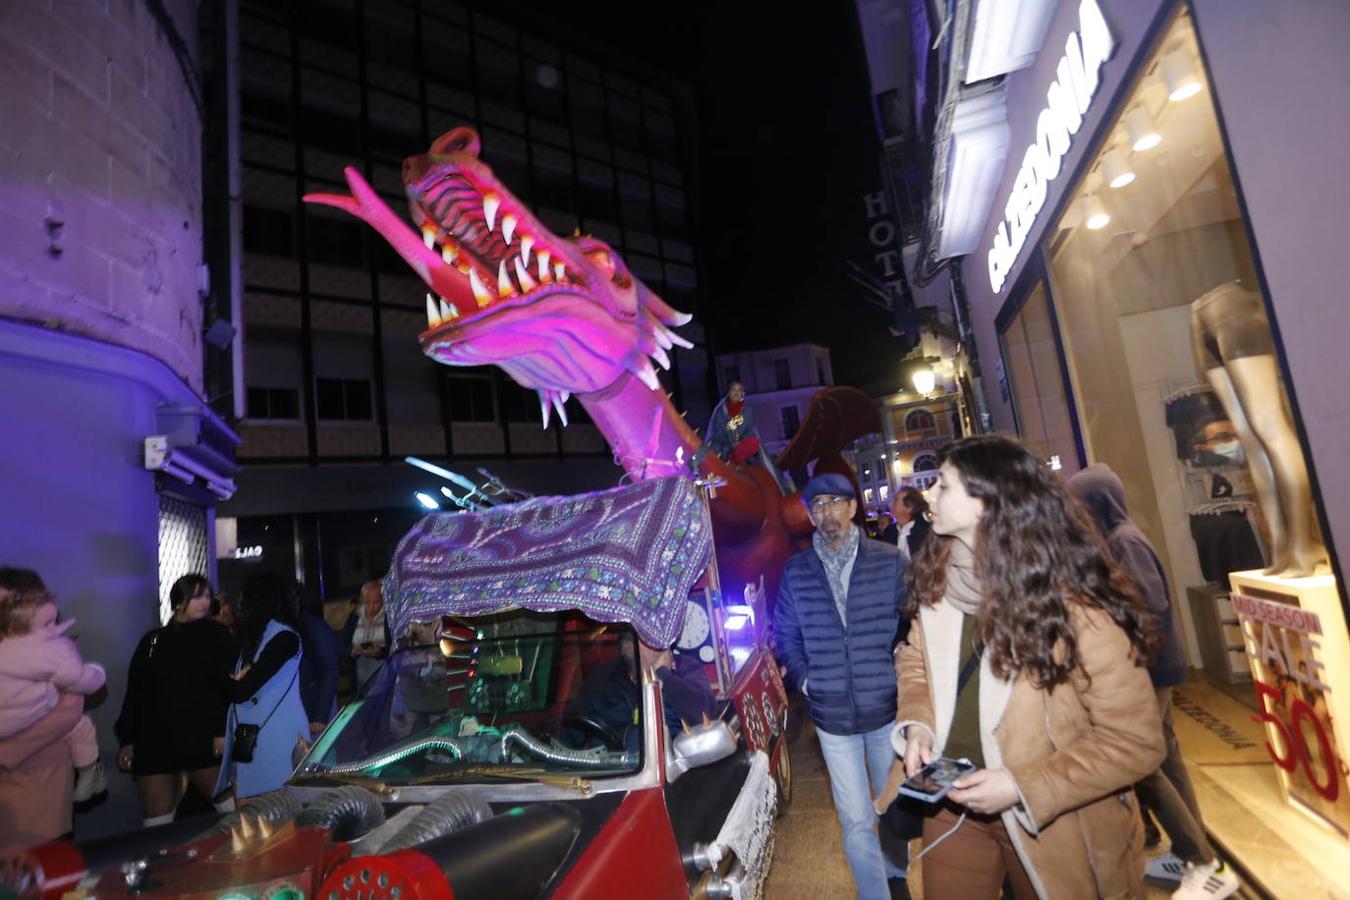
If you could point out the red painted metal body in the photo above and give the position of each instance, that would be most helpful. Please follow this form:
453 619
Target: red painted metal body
634 855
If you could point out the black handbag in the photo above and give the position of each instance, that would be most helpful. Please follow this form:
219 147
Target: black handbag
246 735
245 742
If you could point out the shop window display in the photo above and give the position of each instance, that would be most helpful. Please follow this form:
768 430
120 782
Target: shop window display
1176 385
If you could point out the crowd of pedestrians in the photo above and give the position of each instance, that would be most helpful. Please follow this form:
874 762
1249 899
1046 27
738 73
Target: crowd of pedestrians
1024 629
220 701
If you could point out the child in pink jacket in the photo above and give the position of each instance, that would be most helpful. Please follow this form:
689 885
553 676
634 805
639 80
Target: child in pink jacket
37 663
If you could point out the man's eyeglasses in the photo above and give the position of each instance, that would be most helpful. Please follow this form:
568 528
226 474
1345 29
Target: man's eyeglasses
820 504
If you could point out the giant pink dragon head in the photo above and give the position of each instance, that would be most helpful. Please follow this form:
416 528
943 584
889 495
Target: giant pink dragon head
561 315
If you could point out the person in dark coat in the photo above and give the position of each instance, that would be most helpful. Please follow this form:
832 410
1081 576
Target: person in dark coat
836 622
910 512
319 664
1167 792
612 692
174 711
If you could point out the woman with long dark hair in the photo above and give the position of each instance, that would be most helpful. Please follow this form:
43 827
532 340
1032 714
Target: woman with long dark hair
267 717
173 715
1027 659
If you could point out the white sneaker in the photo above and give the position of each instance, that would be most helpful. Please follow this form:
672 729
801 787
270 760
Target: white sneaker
1211 881
89 783
1167 866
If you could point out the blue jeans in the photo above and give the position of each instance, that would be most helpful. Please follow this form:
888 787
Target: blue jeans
858 765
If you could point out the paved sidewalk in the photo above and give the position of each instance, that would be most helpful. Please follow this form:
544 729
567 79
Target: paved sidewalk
808 854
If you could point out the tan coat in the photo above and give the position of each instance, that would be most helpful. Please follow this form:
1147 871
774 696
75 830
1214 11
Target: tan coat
1074 751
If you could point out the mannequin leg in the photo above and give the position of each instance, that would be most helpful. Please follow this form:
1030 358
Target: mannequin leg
1258 463
1256 381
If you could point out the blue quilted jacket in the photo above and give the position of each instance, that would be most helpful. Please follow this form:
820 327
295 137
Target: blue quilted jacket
849 672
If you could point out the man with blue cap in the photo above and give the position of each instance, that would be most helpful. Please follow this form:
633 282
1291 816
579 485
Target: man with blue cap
837 622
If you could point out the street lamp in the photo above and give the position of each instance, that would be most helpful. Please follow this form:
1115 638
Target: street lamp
924 380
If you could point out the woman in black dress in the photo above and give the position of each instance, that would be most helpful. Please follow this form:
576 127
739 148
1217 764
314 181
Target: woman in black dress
173 716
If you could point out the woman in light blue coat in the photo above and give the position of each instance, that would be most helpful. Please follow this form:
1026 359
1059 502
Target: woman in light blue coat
265 691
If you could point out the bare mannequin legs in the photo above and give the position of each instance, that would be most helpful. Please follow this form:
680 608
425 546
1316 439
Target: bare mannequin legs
1234 350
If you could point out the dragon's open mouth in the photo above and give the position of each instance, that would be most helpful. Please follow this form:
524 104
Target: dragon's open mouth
495 247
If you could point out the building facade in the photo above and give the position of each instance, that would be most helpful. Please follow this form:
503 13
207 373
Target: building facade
1122 190
779 384
101 328
335 390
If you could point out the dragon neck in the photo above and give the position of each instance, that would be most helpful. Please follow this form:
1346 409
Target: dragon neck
647 435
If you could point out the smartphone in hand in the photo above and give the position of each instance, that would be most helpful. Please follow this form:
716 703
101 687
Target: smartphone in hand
931 783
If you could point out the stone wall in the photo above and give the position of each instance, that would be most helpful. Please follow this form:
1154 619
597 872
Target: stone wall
100 161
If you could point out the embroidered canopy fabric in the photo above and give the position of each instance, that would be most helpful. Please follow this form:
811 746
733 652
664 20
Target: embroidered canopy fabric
626 555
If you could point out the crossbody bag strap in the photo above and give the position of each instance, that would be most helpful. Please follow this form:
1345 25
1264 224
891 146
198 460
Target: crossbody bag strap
969 669
294 675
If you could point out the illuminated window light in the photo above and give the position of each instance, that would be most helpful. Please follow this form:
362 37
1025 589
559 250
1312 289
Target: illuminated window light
1115 170
1139 127
1095 215
736 623
1180 76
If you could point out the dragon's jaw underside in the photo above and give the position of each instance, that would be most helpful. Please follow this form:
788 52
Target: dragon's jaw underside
561 316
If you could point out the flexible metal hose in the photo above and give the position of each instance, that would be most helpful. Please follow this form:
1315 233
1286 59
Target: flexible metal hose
392 755
348 812
442 816
537 748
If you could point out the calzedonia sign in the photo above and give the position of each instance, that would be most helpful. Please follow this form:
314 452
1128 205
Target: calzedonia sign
1076 80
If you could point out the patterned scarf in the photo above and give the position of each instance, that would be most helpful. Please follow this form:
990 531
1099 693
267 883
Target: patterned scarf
838 565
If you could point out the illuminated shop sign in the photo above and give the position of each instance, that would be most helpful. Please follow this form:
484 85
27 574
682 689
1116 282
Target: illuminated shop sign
1076 80
253 552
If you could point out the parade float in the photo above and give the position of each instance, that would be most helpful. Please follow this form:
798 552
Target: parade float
471 765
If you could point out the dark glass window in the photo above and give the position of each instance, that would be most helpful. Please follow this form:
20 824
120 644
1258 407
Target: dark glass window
273 403
920 420
333 241
790 419
343 399
470 398
732 374
926 462
268 231
782 374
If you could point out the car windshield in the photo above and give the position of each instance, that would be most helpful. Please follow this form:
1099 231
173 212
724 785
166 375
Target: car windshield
510 696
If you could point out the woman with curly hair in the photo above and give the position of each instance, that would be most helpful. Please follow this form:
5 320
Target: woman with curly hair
1027 658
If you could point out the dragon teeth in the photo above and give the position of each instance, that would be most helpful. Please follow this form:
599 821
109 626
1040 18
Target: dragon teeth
508 228
491 203
448 311
526 245
545 273
429 236
448 254
560 273
433 313
526 282
504 286
480 291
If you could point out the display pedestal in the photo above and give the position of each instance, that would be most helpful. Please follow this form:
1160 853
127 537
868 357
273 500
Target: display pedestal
1295 636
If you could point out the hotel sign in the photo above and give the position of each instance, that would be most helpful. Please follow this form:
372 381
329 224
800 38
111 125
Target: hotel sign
1066 101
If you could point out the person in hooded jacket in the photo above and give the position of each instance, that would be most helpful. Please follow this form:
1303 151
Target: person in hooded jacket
1166 792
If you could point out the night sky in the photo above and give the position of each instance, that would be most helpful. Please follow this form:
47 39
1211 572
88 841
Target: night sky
786 150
